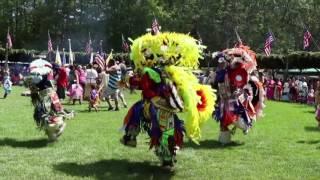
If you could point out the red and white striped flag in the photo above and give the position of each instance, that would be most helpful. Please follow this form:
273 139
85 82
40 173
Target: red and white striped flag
268 43
306 39
125 45
155 27
9 41
100 61
49 43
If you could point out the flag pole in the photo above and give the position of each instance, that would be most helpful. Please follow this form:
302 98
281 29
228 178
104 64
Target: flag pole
90 49
238 37
70 53
7 53
101 41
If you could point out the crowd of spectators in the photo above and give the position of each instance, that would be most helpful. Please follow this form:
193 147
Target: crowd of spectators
294 89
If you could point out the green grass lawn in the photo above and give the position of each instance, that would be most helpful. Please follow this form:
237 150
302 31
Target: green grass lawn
285 144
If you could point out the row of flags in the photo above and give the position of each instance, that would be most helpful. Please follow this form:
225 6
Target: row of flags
58 58
307 37
155 29
88 49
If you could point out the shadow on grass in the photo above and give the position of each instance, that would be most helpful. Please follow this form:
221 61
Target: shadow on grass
212 144
35 143
312 128
310 111
308 142
93 111
115 169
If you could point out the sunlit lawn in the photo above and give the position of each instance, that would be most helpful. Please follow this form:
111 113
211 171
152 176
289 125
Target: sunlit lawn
283 145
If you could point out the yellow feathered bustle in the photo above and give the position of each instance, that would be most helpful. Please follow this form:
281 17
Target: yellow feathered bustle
170 48
189 88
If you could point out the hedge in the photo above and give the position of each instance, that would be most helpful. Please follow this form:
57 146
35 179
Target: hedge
295 60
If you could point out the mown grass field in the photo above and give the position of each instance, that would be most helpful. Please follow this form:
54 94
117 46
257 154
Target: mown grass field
285 144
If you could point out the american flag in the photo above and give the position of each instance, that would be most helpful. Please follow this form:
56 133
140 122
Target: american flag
155 27
306 39
9 42
49 43
268 43
125 45
100 61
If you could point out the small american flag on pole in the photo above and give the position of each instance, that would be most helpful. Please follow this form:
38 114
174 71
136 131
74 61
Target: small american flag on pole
268 43
306 39
125 45
155 27
9 41
49 43
100 61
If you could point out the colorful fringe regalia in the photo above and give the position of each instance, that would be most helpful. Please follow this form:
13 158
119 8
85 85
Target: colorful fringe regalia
48 111
241 94
163 64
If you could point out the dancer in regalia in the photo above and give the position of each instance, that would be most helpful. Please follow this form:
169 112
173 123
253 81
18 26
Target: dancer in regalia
163 65
241 94
49 114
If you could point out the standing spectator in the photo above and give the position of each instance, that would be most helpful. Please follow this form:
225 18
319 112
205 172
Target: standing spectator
211 78
113 89
317 94
76 93
73 76
62 81
270 89
278 90
293 92
103 81
7 86
91 77
285 93
305 90
311 98
123 84
81 75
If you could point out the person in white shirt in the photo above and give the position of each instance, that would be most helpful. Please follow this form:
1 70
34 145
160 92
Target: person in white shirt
7 86
91 78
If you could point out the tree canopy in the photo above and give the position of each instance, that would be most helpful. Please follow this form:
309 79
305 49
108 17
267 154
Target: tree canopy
214 21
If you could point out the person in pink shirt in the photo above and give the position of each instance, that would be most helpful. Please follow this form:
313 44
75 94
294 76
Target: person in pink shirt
76 93
278 91
81 75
